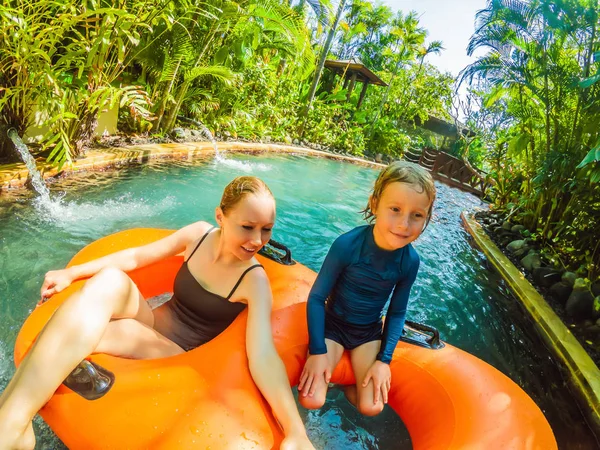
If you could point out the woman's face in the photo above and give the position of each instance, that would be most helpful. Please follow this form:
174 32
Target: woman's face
247 227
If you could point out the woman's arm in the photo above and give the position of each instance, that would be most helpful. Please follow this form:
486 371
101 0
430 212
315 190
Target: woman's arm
266 366
126 260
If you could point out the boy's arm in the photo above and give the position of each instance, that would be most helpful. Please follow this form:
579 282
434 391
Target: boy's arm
396 314
335 261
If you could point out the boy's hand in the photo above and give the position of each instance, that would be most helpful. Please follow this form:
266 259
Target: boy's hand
381 375
316 366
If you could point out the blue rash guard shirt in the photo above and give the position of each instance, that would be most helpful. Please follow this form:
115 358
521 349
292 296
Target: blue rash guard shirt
356 280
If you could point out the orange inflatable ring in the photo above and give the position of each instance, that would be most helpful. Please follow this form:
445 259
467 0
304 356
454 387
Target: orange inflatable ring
206 398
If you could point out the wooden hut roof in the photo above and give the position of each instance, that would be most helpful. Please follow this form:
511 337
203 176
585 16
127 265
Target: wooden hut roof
351 66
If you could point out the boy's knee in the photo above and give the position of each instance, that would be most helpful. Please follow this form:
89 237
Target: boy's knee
314 402
370 409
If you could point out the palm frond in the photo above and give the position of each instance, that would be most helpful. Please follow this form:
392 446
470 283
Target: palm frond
220 73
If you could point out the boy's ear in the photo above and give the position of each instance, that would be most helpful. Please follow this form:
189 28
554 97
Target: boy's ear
372 204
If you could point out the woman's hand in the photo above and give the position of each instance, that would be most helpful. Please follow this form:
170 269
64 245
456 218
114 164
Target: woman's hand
381 375
296 442
54 282
316 366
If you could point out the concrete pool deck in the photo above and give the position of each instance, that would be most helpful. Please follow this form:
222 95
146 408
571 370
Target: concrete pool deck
15 175
584 375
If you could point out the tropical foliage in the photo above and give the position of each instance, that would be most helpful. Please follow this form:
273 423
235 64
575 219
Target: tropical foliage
255 69
246 68
540 103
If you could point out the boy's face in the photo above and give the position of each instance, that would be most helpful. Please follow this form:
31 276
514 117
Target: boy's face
400 215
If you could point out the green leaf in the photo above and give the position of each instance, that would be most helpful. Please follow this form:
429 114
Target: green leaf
221 55
519 143
586 83
592 156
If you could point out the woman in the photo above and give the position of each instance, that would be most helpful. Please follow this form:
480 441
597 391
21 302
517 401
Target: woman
219 278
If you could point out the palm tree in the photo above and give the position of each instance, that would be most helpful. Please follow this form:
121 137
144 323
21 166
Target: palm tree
408 37
434 47
323 57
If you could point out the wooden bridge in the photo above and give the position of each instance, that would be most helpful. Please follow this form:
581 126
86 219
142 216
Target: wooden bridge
450 170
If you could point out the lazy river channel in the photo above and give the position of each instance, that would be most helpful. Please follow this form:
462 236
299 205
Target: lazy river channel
317 200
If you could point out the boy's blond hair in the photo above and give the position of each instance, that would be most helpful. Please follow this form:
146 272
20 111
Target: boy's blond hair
401 172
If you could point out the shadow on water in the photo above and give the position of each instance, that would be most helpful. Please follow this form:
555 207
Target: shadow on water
339 426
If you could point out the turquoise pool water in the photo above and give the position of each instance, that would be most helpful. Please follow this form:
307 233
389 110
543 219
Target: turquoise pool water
318 199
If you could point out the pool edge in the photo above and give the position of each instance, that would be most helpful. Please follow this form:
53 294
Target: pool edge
583 373
15 175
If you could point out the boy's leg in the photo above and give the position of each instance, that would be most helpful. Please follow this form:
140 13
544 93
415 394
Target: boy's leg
362 358
319 388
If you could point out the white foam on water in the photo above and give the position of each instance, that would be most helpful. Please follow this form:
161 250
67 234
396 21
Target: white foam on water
244 166
60 212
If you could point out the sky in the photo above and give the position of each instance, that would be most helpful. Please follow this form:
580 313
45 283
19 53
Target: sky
449 21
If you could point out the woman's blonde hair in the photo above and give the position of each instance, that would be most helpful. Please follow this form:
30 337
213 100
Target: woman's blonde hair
401 172
239 188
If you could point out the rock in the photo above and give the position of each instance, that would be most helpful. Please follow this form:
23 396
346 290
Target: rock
267 139
522 252
569 278
517 229
561 291
507 225
196 133
505 239
287 139
503 233
178 133
296 142
546 276
579 304
379 158
592 331
516 245
531 261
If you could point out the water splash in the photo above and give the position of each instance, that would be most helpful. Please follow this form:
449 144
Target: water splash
72 215
36 177
205 131
243 166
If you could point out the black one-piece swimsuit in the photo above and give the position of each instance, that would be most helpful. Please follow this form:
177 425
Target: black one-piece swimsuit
194 315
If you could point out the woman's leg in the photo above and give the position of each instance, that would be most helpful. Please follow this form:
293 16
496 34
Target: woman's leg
130 338
317 400
362 359
73 332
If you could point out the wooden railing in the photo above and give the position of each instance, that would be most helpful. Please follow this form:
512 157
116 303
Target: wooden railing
450 170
